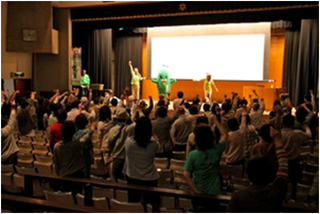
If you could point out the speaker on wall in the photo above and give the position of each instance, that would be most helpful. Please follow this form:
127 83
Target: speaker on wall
17 74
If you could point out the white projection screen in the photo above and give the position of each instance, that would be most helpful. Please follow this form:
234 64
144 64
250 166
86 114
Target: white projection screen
228 52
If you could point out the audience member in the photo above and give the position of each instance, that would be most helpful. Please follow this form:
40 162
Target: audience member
260 196
178 101
26 123
114 145
180 130
161 129
201 169
191 144
9 147
139 166
55 130
292 140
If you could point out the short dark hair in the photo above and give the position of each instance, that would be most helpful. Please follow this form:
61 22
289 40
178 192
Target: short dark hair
308 97
81 121
243 102
75 104
143 131
23 103
301 114
256 106
194 110
288 120
202 119
233 124
265 133
204 137
260 171
206 107
180 94
68 129
96 100
104 113
162 111
114 102
61 115
226 107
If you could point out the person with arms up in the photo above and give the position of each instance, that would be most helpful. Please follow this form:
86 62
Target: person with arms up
135 81
201 169
267 191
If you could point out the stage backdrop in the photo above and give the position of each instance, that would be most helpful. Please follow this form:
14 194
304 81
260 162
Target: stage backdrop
75 68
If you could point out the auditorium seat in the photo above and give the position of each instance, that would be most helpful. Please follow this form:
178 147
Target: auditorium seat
161 163
166 210
165 178
307 177
40 149
185 204
126 207
168 202
313 158
100 203
7 178
25 139
59 197
44 168
25 160
310 167
179 155
102 192
25 147
176 164
179 180
39 140
121 195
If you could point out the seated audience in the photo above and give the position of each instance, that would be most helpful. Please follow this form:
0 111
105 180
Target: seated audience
26 123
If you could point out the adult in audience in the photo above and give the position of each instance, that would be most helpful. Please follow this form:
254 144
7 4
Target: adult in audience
161 128
178 101
82 131
236 146
191 144
139 165
73 113
226 114
55 130
265 147
69 158
26 123
114 145
9 147
201 169
256 116
105 123
260 196
180 130
292 140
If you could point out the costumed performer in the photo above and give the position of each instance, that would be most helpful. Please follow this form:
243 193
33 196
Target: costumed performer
164 83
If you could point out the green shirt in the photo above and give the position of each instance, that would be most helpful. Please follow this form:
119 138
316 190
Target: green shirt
85 80
204 167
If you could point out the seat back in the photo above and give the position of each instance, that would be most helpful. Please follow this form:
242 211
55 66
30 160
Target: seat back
117 206
60 197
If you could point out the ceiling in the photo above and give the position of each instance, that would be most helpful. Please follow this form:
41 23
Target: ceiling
79 4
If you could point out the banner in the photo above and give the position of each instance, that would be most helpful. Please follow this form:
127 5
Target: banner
75 66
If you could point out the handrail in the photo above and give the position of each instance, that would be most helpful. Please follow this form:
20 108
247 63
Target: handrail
29 177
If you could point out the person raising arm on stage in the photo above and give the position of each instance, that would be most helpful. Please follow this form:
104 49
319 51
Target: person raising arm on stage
135 81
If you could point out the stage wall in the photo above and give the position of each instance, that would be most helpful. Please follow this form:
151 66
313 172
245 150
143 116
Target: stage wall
191 88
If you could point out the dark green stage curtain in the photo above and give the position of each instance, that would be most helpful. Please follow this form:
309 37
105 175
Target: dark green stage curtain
96 56
301 60
128 46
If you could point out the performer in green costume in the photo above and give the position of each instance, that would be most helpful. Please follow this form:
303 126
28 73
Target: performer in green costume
164 83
